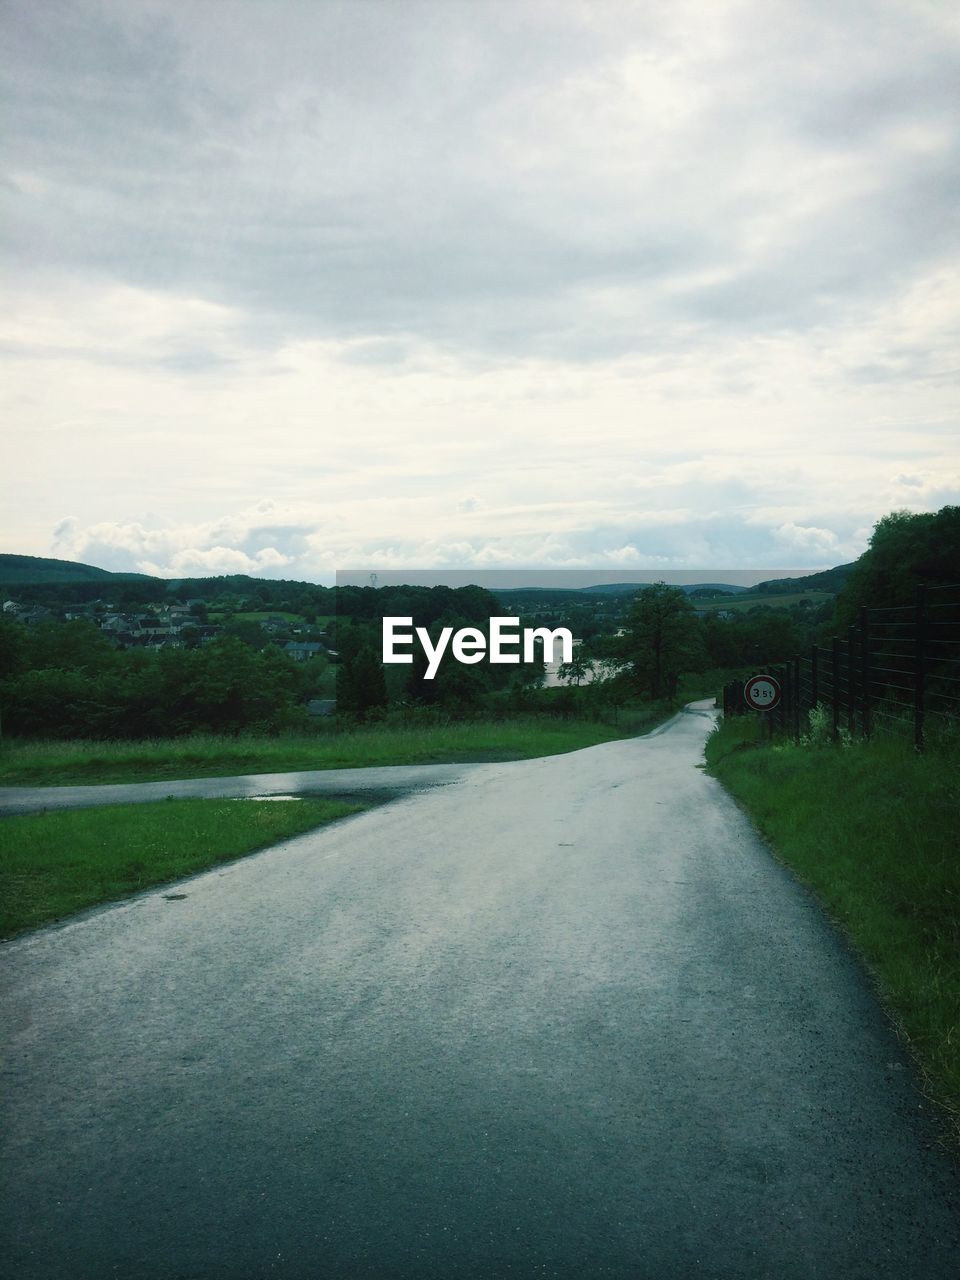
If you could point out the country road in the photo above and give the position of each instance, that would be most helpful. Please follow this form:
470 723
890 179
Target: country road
564 1017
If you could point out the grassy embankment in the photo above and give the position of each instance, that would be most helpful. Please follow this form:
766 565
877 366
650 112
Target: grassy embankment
52 864
872 829
30 763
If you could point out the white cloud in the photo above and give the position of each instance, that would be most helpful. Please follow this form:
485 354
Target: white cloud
818 542
674 280
299 549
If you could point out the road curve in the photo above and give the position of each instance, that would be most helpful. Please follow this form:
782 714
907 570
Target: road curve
565 1017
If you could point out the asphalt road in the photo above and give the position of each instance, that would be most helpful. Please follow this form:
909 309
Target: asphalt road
380 782
565 1017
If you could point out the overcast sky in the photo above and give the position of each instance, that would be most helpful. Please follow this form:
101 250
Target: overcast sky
294 287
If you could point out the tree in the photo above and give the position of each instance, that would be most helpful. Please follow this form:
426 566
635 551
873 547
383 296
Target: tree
577 668
905 550
14 647
661 640
247 632
361 686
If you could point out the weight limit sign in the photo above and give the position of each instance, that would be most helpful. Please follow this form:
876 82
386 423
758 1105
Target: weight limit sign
762 693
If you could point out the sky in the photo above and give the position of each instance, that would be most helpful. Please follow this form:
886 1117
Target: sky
293 287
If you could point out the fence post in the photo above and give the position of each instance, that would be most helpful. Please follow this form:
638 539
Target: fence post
919 661
796 699
865 671
835 689
851 682
814 675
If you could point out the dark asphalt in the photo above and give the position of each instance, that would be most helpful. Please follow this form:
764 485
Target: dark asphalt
565 1017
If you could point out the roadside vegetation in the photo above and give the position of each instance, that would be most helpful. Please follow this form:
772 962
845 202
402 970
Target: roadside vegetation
563 719
55 863
872 828
27 763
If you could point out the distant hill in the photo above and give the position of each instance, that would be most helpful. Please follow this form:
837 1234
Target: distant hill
613 589
624 588
825 580
38 570
42 571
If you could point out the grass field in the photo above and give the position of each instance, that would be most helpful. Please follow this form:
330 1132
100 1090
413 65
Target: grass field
53 864
740 604
872 828
204 756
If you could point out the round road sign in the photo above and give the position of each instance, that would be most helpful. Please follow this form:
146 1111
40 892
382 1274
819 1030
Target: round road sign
762 693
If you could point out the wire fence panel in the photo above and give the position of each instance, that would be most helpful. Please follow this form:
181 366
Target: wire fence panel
895 667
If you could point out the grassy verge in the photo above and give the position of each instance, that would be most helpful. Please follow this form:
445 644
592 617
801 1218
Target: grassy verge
52 864
872 829
203 756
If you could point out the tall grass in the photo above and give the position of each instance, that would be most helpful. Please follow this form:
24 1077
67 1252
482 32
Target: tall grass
206 755
874 829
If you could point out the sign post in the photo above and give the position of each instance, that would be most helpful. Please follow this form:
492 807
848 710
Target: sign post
763 693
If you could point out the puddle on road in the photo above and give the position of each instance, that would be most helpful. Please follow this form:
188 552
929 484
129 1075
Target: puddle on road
268 797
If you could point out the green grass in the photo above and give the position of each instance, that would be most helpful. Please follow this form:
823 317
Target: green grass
56 863
740 604
872 829
204 756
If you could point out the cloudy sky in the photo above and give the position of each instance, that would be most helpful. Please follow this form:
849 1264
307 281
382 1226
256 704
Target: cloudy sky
299 286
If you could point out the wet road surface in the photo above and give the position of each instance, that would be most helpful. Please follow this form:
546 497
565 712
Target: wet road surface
565 1017
380 782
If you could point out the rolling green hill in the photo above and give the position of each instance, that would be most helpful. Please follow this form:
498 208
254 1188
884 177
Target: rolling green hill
39 569
830 580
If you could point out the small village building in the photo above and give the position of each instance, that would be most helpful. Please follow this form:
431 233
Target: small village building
303 650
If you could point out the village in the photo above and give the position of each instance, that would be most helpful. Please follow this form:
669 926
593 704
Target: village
179 624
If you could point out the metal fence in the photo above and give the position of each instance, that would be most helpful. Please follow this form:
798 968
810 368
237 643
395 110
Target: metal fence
897 668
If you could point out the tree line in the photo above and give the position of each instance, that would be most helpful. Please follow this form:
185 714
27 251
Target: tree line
67 680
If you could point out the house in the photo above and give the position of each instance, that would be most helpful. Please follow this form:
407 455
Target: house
117 624
274 625
200 633
303 650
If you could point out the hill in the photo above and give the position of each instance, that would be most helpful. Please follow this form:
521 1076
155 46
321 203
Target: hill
39 570
631 588
615 589
826 580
